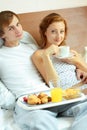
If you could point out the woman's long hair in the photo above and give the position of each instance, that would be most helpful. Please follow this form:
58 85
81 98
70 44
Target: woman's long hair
49 19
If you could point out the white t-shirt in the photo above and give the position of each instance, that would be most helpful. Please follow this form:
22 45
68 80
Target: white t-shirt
17 71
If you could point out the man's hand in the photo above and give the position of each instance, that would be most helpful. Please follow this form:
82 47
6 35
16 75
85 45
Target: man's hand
81 75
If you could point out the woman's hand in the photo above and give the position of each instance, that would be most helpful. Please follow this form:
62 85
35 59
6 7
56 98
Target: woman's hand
51 50
75 59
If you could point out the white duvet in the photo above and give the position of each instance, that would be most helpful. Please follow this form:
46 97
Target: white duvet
6 120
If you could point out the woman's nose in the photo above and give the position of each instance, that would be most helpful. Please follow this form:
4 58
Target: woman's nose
58 35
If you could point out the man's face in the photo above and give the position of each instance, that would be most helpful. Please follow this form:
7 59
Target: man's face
13 32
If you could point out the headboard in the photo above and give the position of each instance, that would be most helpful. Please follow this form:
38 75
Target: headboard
77 25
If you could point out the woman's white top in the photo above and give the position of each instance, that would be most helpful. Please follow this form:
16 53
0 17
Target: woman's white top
66 73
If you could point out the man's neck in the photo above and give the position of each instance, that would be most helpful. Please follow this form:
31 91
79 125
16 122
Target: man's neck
11 44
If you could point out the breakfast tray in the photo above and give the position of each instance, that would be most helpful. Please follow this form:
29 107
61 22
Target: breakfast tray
26 106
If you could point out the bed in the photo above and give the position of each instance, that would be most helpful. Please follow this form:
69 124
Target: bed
76 39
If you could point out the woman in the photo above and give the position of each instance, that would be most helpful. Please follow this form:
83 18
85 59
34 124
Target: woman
53 30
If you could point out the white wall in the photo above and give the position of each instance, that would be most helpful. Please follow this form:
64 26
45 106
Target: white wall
23 6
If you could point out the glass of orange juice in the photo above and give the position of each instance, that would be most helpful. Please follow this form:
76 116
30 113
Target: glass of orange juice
56 94
56 91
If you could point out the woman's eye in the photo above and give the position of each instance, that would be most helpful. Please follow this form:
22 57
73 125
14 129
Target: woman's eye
53 31
62 31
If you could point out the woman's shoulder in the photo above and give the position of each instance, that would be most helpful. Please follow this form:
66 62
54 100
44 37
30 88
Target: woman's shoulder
38 53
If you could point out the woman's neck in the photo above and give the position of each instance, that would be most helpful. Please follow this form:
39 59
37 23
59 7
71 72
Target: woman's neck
47 45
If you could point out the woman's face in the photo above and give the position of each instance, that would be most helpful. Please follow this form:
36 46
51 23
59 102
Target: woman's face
55 33
13 31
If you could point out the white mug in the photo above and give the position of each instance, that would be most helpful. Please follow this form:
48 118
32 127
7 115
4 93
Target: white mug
64 51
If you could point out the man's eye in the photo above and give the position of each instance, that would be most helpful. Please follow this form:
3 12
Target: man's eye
10 28
18 24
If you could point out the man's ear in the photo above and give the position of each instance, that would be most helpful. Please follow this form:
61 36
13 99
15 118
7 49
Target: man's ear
3 36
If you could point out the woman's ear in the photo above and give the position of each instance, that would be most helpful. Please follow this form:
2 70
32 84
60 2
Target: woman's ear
45 33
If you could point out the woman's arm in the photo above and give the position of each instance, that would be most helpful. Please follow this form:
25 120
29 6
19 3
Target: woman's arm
43 63
77 60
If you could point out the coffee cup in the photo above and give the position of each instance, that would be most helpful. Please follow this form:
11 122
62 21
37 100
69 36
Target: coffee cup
64 51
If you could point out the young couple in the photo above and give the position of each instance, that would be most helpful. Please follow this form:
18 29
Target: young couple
15 65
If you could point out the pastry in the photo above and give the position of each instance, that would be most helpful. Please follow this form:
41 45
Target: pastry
41 95
71 93
33 99
41 98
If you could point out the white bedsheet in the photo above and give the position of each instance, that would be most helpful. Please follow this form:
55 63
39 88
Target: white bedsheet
7 122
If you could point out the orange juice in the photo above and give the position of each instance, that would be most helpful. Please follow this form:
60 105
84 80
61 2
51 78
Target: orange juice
56 94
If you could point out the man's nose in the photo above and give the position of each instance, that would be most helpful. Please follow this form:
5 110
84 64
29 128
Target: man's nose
16 30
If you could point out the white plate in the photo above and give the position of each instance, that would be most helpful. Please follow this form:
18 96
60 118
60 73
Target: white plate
60 57
26 106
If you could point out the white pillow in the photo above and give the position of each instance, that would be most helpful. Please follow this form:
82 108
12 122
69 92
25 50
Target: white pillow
28 39
1 42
